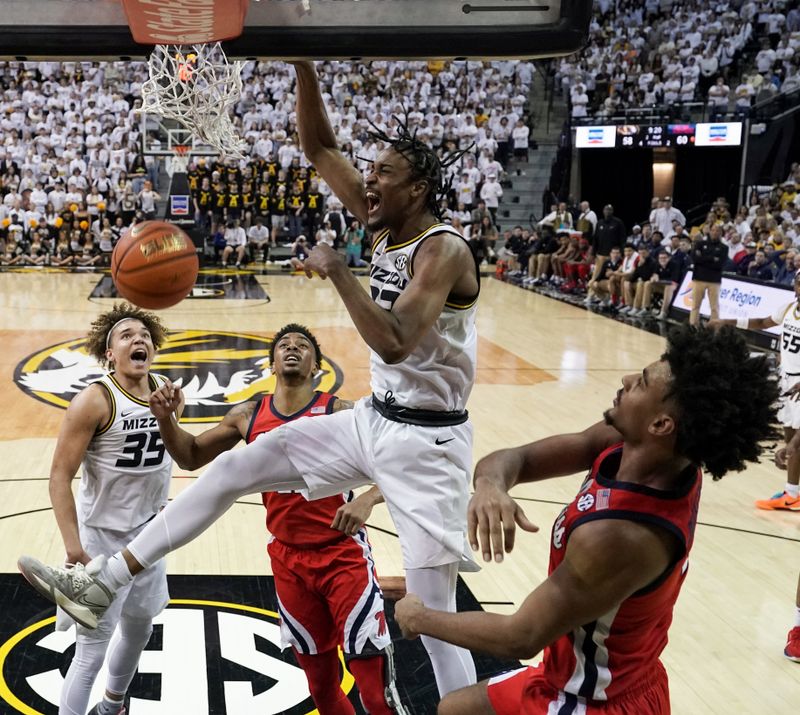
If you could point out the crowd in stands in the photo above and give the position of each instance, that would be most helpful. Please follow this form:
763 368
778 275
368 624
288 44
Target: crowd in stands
573 251
665 53
73 174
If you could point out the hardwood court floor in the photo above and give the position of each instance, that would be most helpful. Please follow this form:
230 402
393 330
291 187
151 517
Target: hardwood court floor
545 367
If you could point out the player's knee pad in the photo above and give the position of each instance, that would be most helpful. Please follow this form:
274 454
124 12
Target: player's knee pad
89 655
136 630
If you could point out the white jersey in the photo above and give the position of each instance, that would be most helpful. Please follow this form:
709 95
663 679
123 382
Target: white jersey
440 371
788 318
126 468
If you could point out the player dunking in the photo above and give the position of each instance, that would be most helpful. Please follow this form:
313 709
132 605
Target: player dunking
618 552
108 429
325 579
412 437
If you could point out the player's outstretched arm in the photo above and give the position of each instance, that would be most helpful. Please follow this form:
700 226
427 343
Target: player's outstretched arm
492 515
606 561
88 412
746 323
194 451
320 146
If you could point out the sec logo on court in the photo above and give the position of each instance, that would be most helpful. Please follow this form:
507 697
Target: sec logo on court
217 370
205 657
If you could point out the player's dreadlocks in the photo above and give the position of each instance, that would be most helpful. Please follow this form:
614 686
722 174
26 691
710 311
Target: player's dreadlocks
302 330
98 338
726 398
424 162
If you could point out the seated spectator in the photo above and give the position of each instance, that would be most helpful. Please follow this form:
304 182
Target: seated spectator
577 271
599 288
235 241
744 261
663 281
258 238
568 250
513 246
300 252
633 286
620 276
787 265
761 268
62 256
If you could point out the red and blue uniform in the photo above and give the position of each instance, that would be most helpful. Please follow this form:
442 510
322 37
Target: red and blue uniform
610 666
325 580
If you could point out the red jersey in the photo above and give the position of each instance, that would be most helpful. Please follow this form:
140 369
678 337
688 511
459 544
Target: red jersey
602 660
291 518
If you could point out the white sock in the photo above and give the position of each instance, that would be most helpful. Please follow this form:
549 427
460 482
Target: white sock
109 707
116 573
793 490
797 617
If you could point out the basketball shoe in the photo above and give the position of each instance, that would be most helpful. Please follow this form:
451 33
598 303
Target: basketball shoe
792 649
96 711
74 588
781 500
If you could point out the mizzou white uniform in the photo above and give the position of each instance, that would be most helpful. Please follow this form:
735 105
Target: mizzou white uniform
412 437
124 484
788 318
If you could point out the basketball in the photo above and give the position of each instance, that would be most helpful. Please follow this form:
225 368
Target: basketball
154 265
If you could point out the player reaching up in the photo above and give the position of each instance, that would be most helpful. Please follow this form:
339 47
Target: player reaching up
328 593
108 429
412 436
619 551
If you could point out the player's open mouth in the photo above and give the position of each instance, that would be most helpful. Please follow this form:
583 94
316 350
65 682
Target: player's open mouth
293 359
373 202
139 356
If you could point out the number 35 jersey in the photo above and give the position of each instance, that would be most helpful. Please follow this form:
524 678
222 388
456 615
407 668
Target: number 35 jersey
788 318
126 468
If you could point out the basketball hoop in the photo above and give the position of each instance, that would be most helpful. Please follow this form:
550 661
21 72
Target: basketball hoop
180 160
197 87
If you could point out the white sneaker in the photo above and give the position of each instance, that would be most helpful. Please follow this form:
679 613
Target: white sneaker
625 310
74 588
606 303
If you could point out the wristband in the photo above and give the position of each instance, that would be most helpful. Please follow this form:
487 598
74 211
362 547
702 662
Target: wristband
742 323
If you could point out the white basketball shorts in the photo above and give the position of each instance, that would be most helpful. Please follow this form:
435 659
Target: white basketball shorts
422 472
789 410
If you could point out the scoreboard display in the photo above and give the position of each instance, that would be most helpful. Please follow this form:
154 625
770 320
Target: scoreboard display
659 135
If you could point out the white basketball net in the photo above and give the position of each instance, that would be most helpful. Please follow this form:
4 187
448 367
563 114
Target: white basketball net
198 87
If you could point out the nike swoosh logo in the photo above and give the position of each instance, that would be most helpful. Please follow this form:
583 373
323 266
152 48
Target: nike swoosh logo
444 441
83 601
125 414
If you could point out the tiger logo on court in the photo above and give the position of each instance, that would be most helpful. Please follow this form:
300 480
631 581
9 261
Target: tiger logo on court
216 370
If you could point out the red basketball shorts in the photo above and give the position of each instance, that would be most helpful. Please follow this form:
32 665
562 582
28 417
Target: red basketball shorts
329 596
526 692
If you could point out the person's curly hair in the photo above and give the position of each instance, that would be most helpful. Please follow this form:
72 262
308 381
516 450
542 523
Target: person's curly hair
97 339
426 165
302 330
726 398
